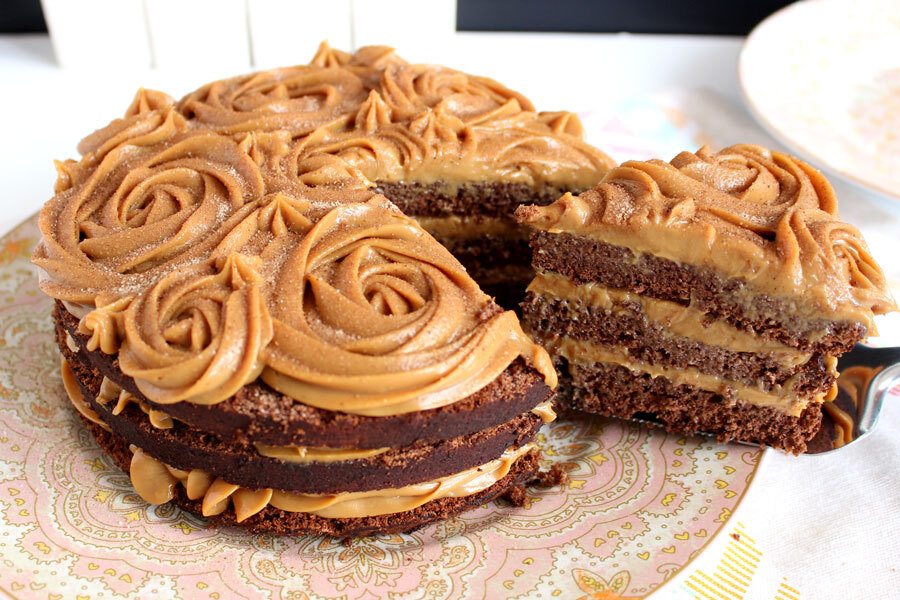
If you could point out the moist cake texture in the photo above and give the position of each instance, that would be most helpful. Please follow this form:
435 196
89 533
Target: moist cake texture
712 293
256 332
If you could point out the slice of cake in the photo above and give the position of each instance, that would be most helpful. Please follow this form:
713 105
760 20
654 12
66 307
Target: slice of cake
712 293
253 333
457 152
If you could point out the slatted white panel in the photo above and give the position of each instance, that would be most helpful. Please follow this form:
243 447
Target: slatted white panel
222 37
199 34
288 32
98 33
420 30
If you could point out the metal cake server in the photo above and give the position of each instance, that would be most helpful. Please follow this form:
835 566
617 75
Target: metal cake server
867 376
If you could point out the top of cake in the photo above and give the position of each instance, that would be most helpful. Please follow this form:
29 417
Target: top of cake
234 234
396 121
746 212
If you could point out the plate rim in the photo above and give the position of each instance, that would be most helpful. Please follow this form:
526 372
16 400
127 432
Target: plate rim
682 573
780 136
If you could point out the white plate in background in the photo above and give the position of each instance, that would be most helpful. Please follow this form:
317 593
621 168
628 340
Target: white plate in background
823 77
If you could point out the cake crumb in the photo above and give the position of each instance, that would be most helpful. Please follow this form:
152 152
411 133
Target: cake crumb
736 537
516 496
553 477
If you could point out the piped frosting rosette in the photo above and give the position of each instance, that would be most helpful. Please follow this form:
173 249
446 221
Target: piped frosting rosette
198 335
143 211
371 316
150 119
296 99
421 122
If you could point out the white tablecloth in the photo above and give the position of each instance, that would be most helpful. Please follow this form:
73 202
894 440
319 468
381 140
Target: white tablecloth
825 526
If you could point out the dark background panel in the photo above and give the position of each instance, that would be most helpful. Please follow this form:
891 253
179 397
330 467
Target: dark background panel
22 16
723 17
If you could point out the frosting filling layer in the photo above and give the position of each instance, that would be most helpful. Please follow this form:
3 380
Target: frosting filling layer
677 319
76 397
853 382
110 391
458 227
155 482
306 454
780 397
545 411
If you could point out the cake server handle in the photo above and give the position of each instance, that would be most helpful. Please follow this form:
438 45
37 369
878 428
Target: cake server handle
872 395
879 387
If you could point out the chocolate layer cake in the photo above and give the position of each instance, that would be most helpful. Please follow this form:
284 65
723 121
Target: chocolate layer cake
713 293
257 335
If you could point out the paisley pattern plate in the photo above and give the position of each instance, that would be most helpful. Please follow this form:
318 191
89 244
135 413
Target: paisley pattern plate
639 506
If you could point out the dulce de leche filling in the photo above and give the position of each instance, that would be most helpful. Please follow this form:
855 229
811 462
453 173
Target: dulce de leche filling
456 227
678 320
155 482
76 397
781 397
110 391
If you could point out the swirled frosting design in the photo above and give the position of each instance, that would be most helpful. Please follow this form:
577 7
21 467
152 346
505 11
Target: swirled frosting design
235 235
748 212
373 317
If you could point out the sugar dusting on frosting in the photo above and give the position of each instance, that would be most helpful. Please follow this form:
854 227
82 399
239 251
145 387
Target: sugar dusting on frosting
234 233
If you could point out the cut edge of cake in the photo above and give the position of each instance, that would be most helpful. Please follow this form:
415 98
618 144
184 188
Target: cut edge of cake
710 294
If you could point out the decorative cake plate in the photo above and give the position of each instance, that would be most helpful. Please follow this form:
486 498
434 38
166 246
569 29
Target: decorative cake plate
823 77
639 506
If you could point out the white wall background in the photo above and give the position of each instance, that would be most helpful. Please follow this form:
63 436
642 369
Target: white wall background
234 35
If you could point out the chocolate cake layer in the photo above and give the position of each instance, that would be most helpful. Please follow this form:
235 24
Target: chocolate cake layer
442 199
258 413
648 342
279 522
493 260
186 448
616 391
585 260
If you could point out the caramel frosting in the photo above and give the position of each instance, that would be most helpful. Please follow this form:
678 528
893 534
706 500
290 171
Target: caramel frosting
156 483
545 411
746 212
234 234
110 390
676 319
143 211
853 381
781 397
400 122
457 227
76 397
307 454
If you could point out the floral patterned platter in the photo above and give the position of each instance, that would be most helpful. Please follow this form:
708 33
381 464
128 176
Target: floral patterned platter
639 506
